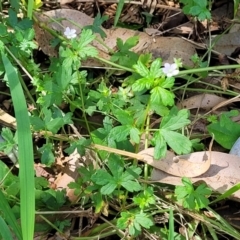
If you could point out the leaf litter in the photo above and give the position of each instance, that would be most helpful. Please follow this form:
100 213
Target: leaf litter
170 46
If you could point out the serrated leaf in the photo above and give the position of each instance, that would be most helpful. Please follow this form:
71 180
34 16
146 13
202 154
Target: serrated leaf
131 186
175 122
202 3
47 154
122 222
160 148
98 202
101 177
193 199
142 84
179 143
161 95
120 44
155 68
160 109
15 4
116 165
88 51
135 135
167 97
186 9
189 202
201 202
86 38
123 117
156 97
54 125
188 185
203 190
12 18
226 132
108 188
3 29
141 69
143 220
168 82
37 123
195 10
181 192
129 43
96 26
25 24
120 133
80 145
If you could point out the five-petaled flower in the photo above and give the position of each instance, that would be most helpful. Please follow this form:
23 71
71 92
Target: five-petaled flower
70 33
170 69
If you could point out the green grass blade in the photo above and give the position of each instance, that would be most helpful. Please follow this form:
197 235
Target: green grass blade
118 12
5 232
30 5
236 4
171 225
25 151
228 193
9 216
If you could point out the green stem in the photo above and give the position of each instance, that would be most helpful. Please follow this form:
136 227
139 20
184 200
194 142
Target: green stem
83 104
115 64
198 70
210 91
146 145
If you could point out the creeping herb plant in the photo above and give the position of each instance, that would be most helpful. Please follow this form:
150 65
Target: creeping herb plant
197 8
191 198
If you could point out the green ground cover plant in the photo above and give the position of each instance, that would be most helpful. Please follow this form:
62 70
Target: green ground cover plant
148 88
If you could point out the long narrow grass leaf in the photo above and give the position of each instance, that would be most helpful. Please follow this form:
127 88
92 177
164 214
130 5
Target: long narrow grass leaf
171 225
30 5
9 216
5 231
25 151
118 12
228 193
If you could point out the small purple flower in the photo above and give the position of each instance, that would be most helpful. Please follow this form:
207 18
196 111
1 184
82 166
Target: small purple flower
70 33
170 69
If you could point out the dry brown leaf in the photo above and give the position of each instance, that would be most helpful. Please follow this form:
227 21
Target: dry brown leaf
64 2
191 165
221 176
7 120
169 48
227 43
165 47
70 174
205 101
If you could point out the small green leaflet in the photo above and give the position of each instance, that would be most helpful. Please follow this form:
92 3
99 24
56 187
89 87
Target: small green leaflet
117 177
134 222
178 142
141 69
167 134
160 96
124 56
97 23
226 132
175 120
145 198
193 199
